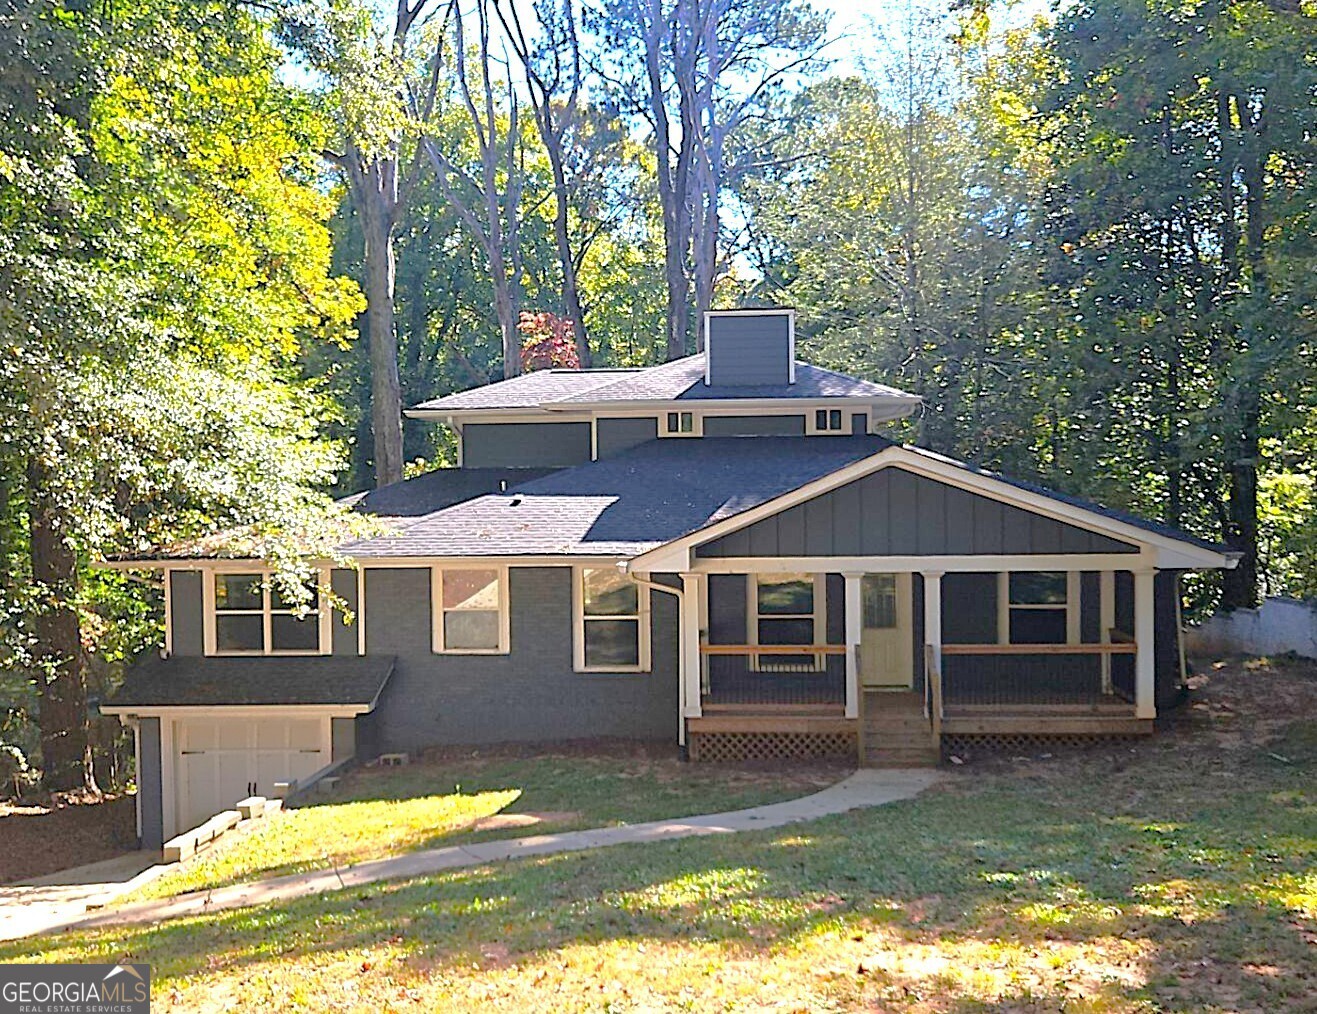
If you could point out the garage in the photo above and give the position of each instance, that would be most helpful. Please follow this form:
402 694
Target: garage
221 760
210 731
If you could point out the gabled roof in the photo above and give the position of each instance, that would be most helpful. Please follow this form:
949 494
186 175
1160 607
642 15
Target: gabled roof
681 380
621 506
351 682
1176 549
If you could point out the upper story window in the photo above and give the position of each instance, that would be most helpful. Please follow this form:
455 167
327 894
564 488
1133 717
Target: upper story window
679 424
827 420
1039 607
612 622
250 615
471 610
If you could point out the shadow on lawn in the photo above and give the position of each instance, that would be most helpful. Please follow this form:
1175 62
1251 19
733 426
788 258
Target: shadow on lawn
1200 902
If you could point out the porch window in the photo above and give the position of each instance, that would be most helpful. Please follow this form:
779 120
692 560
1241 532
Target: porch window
787 609
612 628
471 616
1038 607
250 615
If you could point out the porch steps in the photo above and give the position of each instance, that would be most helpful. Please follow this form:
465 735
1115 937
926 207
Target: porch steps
895 731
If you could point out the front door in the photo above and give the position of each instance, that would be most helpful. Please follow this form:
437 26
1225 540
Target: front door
886 638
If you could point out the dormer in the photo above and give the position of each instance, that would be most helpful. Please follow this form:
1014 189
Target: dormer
750 348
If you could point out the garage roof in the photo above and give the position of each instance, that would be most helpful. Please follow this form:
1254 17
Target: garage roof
353 681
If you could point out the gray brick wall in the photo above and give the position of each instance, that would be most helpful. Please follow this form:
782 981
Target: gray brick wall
532 693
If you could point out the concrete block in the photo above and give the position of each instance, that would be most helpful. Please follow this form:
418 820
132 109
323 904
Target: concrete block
393 760
252 808
283 790
184 846
328 784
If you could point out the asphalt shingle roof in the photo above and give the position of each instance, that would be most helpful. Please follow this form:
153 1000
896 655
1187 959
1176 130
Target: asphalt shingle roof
227 680
621 506
443 487
679 380
530 390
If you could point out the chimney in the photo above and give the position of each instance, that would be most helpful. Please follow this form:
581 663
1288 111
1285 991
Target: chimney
744 348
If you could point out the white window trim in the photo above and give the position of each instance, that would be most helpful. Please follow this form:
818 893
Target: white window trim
324 615
578 626
437 613
752 617
811 421
697 423
1004 606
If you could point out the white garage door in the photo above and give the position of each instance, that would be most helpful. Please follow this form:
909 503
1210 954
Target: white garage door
223 760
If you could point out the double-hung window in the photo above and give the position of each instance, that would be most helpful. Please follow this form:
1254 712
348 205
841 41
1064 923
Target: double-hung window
471 613
250 615
1039 607
787 609
612 622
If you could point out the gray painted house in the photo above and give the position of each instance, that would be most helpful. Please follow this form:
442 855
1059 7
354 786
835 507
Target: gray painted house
720 551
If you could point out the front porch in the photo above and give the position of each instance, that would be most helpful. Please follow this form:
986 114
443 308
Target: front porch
786 663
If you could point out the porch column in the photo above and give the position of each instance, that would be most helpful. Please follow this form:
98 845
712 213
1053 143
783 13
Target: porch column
690 645
1107 620
1145 670
854 621
933 615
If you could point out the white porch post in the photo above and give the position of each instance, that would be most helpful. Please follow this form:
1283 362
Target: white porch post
690 645
1107 620
854 620
1145 672
933 615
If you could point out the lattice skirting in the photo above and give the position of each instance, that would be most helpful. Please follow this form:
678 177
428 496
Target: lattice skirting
960 744
734 747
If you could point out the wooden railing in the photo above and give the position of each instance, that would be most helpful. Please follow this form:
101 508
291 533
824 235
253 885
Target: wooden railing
1125 648
773 674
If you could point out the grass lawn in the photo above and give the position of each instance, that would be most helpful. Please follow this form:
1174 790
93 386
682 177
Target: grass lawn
457 798
1178 874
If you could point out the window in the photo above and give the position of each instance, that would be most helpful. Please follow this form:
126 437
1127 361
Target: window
470 614
1039 607
612 633
250 615
787 609
680 424
828 420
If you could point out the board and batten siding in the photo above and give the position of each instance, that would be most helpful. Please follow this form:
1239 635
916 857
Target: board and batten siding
525 445
894 512
531 694
749 349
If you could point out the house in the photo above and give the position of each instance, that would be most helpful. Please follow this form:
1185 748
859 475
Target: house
721 551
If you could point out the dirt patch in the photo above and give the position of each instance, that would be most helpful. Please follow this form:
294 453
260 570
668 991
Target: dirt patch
499 821
40 839
601 746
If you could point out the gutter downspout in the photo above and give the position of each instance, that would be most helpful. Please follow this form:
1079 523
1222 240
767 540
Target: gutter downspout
680 594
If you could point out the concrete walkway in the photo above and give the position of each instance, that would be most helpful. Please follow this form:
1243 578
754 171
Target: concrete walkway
867 787
49 902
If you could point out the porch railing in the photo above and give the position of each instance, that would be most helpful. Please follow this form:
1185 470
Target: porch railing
1002 675
779 674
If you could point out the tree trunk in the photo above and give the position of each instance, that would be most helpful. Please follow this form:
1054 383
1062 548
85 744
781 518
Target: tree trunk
571 293
1239 586
61 676
385 390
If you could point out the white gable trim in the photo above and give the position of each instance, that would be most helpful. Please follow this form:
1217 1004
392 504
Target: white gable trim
1166 552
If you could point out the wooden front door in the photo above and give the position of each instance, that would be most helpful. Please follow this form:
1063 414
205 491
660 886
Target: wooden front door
886 637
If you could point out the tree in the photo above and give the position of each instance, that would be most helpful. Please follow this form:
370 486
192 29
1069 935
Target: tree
698 72
163 255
